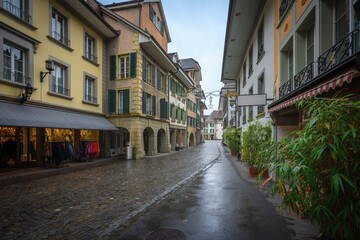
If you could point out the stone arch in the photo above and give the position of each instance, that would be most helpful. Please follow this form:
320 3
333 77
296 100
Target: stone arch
192 140
161 141
148 138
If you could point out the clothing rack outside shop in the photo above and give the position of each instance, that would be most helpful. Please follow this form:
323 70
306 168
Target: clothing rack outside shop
58 152
88 149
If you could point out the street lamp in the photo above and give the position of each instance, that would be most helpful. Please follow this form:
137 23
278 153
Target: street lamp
25 95
49 65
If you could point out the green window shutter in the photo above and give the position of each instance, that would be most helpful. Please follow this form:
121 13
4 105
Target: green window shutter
158 79
144 68
166 110
151 12
154 105
112 67
143 102
133 64
165 84
162 108
126 103
176 87
153 75
171 84
177 113
162 28
171 112
181 115
111 101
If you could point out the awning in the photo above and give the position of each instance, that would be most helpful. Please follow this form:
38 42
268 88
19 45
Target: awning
19 115
324 87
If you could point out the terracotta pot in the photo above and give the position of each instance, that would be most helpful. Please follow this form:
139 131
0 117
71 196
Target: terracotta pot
254 172
233 152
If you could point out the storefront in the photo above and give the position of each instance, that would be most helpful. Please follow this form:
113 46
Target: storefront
36 136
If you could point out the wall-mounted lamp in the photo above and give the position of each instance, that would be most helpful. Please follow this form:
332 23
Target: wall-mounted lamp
26 93
49 65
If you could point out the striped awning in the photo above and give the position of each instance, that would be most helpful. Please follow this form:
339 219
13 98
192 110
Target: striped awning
337 81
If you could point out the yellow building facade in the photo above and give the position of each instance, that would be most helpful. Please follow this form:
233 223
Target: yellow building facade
66 100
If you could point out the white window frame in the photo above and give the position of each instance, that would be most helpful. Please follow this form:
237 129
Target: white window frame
89 89
65 31
124 71
148 72
120 101
55 87
90 47
13 71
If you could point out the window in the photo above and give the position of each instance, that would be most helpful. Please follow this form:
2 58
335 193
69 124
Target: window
147 104
212 130
121 101
244 74
60 79
59 27
90 47
90 90
156 19
212 125
290 64
124 67
341 19
250 61
250 107
310 45
261 89
19 8
14 66
260 33
147 71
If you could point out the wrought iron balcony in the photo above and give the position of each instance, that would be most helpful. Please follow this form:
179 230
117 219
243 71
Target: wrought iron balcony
91 56
17 77
61 38
339 52
283 6
60 90
20 13
304 76
90 98
286 88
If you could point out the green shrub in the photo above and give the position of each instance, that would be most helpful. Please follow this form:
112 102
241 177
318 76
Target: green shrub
318 167
254 140
231 139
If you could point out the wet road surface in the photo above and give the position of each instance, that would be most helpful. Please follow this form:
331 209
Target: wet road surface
92 203
218 204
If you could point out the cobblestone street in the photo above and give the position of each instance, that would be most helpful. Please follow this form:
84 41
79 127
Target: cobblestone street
90 204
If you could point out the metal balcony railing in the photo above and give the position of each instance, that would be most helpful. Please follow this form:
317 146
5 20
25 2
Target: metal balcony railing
61 38
20 13
339 52
60 90
286 88
283 6
90 98
91 56
17 77
304 76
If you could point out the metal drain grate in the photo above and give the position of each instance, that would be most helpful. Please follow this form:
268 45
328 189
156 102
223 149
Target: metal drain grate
166 234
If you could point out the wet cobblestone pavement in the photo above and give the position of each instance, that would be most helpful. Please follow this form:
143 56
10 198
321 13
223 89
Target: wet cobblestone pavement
89 204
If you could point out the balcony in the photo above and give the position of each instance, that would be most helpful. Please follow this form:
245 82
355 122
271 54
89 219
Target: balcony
61 38
8 6
337 54
283 7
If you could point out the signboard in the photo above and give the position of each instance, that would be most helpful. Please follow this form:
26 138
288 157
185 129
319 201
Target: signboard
232 94
251 100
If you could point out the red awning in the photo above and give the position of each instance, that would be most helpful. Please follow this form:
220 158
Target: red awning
324 87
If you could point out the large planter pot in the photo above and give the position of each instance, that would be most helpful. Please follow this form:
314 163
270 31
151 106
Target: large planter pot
233 152
254 172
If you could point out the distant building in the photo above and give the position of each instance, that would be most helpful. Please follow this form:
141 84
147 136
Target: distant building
214 126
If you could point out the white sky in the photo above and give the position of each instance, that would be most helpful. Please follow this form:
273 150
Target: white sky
197 30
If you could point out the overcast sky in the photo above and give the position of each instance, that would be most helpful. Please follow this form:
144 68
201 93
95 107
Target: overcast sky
197 30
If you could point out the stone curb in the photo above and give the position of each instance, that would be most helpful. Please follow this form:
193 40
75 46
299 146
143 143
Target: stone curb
155 201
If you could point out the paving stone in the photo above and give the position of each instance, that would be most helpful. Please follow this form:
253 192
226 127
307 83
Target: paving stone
88 202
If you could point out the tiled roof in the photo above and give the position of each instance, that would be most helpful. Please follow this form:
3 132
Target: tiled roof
215 115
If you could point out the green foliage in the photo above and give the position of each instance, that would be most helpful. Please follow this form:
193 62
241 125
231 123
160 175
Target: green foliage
254 140
318 167
231 138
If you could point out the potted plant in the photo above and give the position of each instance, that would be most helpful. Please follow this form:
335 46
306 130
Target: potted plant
318 166
255 139
231 140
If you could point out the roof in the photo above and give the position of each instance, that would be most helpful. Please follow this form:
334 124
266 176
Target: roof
215 115
189 63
